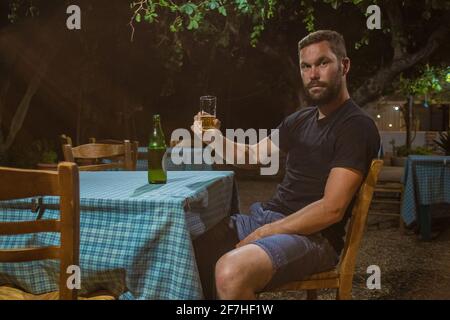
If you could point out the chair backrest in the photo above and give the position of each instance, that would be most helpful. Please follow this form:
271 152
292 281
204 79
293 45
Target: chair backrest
134 146
105 141
18 184
120 155
65 139
358 220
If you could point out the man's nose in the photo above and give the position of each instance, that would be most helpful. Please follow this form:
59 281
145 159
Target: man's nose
314 74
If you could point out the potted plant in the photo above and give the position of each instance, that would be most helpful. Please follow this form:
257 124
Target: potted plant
444 142
49 161
401 153
47 157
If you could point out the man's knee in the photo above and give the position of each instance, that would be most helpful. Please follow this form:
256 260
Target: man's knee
247 269
209 247
229 274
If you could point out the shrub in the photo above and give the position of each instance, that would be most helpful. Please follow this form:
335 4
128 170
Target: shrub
444 142
29 155
403 152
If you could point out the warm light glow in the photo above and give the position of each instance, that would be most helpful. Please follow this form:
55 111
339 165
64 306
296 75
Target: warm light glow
390 125
378 116
396 108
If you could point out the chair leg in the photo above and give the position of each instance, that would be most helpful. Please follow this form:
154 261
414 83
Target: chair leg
344 293
311 294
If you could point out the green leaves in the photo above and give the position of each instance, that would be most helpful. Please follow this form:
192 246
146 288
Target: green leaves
176 25
213 5
206 15
193 24
243 6
150 16
364 41
223 11
188 8
256 34
334 4
308 12
430 80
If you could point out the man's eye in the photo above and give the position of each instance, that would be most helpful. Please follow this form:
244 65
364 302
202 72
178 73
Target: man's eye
323 63
304 67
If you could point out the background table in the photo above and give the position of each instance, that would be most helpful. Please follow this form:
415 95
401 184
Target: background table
427 182
135 238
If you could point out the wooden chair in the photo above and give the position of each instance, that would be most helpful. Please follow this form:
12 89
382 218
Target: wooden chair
134 146
122 156
18 184
341 278
388 195
65 139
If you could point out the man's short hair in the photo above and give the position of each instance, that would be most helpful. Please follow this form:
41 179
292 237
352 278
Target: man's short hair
335 39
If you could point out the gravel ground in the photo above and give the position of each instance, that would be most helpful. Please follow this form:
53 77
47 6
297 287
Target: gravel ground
410 268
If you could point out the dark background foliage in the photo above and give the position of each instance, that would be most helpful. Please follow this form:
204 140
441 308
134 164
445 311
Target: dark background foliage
97 82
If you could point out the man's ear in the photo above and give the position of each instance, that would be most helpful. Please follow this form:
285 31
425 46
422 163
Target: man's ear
345 66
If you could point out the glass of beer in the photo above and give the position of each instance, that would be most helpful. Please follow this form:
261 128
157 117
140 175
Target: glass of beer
208 106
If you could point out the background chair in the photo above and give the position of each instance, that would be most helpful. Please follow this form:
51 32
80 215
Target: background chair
388 195
18 184
119 156
134 146
341 278
65 139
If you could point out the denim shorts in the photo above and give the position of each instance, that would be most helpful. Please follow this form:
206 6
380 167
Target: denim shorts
294 257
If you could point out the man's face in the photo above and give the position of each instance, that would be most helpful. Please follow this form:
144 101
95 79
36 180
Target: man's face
321 73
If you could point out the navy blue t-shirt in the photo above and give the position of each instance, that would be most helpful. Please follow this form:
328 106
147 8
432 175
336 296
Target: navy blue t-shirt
347 138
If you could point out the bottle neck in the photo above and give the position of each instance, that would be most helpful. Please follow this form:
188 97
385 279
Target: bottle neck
157 139
157 126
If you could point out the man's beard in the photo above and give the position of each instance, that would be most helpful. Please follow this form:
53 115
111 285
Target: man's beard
330 91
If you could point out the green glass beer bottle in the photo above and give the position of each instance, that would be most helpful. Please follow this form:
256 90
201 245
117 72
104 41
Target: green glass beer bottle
156 151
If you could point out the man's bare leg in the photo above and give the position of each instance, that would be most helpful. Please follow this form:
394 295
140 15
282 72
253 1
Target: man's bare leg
243 272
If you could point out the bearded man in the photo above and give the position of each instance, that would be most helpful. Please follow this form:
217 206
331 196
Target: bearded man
329 145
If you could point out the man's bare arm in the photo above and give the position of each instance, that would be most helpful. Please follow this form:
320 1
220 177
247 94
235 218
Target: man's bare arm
247 156
341 186
243 155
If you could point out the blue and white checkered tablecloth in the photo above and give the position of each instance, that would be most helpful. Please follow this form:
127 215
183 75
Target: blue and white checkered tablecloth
426 181
135 238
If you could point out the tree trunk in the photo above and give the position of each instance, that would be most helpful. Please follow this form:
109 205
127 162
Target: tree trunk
22 109
3 94
409 122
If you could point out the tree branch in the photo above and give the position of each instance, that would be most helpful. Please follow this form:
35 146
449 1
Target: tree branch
399 40
375 86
